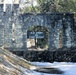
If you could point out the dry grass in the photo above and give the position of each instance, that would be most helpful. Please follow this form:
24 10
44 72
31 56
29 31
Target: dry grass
10 63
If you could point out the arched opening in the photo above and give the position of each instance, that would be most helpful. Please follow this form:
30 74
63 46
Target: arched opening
37 38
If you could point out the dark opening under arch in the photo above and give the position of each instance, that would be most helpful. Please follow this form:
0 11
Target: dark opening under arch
37 38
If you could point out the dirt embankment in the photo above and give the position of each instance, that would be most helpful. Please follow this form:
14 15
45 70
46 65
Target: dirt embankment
11 64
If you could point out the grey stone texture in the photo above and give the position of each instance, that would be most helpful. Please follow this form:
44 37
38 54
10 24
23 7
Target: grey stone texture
54 22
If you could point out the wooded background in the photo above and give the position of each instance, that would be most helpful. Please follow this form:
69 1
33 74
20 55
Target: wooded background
37 6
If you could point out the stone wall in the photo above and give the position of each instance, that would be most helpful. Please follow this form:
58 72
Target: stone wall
58 55
14 38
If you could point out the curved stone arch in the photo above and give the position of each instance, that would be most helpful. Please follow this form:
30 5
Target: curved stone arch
38 25
37 22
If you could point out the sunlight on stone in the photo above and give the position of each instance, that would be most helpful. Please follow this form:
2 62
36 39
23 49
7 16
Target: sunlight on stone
9 1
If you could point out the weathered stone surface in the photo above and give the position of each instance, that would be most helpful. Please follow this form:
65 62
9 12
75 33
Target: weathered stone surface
41 56
54 22
57 55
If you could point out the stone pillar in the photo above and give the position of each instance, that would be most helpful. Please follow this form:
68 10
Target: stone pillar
1 26
24 39
51 44
1 8
54 33
57 29
67 32
10 18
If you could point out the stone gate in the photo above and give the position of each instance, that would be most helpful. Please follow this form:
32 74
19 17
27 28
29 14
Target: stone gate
14 26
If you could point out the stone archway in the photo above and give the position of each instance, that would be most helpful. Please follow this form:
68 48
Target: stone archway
54 22
34 20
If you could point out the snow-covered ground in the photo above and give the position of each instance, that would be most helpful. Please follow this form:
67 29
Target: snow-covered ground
68 68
